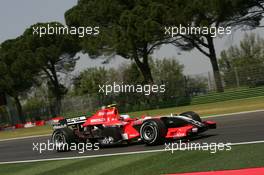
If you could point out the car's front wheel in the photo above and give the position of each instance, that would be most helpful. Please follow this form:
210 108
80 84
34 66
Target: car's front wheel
153 132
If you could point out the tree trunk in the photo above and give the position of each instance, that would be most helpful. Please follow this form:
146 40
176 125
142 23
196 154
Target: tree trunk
19 110
58 104
56 90
213 59
58 96
145 69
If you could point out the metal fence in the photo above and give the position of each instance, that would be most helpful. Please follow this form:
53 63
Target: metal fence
247 76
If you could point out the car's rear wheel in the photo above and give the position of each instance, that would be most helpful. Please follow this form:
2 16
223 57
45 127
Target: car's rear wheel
192 115
63 138
153 132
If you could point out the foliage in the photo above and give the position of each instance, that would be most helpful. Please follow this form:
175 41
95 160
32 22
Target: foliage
166 71
169 72
132 30
55 55
244 62
210 13
196 85
4 119
89 80
16 70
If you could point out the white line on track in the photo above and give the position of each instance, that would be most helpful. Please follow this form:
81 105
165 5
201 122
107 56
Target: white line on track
234 113
27 137
115 154
210 116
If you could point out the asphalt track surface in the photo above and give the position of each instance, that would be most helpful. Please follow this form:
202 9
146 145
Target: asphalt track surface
230 129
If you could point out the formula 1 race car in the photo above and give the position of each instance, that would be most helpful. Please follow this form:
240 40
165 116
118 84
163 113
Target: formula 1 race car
108 127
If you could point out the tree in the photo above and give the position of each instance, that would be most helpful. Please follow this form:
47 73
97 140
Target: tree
169 71
134 29
195 85
244 62
16 71
165 71
130 29
131 74
252 17
209 13
55 56
249 53
89 80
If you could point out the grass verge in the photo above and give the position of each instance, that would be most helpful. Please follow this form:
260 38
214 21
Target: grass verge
24 132
242 156
248 104
230 106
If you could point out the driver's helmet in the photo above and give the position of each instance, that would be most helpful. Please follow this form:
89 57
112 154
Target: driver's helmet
111 106
124 116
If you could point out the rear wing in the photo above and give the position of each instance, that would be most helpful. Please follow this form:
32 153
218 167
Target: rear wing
69 122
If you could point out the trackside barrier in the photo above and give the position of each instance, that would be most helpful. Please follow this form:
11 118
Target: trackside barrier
32 124
29 125
57 119
40 122
17 126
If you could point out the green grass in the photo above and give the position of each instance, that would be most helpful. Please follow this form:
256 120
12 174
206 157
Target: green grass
243 156
202 109
23 132
233 94
210 108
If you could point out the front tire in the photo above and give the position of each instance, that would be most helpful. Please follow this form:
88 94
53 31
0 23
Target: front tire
153 132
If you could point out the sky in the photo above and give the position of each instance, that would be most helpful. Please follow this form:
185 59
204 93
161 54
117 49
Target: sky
17 15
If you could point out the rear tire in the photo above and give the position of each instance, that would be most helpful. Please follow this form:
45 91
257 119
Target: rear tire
153 132
192 115
62 138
